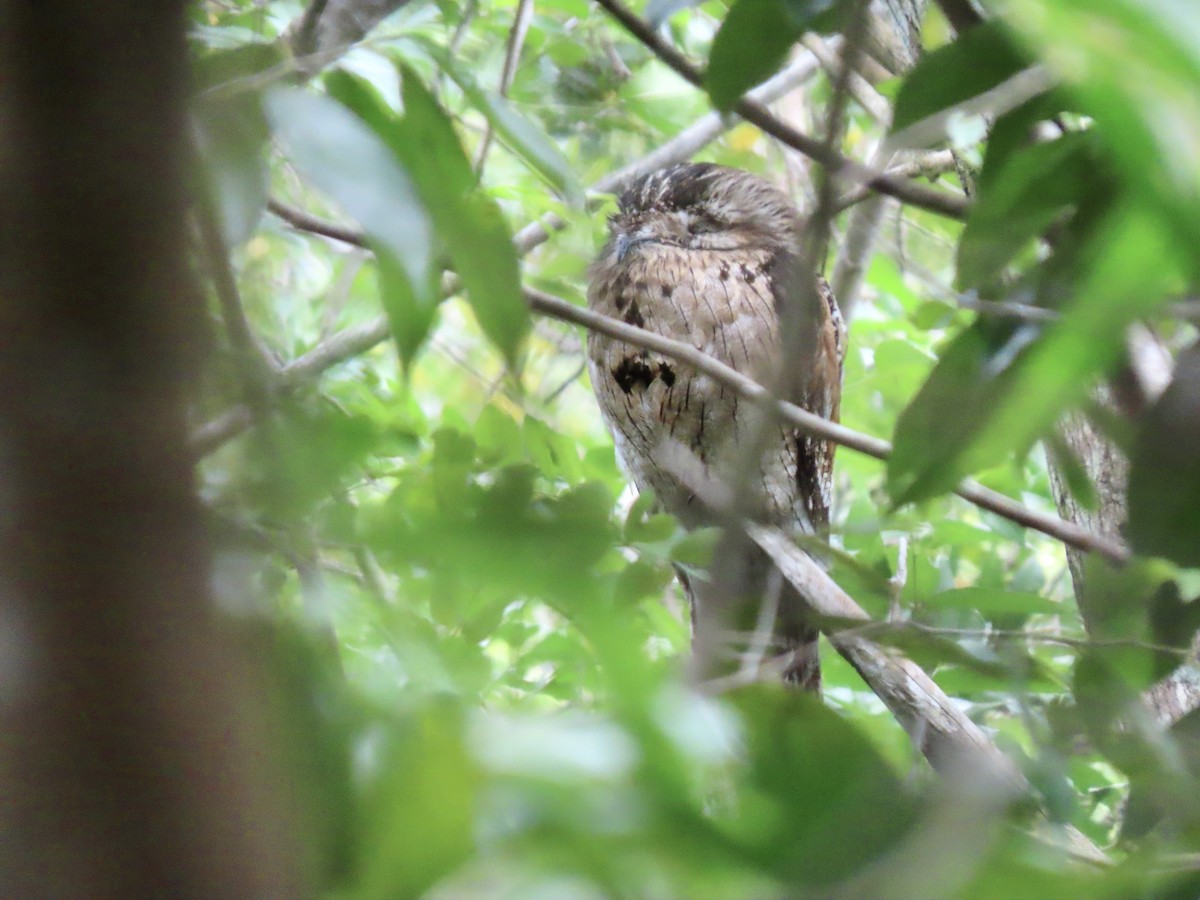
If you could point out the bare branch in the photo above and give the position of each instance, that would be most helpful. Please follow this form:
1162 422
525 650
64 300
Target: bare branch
937 201
929 164
255 365
304 221
357 340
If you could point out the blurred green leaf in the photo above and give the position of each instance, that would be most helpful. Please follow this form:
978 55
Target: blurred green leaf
977 61
1164 477
999 387
753 42
1135 66
991 602
817 780
1035 188
517 132
346 160
230 138
420 805
469 223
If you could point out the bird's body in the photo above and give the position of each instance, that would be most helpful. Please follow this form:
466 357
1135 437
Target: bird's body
707 255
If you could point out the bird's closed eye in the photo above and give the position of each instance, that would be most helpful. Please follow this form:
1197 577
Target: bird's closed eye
702 225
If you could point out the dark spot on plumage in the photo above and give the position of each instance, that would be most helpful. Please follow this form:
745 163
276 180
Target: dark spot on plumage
723 272
666 290
632 371
633 315
667 374
620 290
748 274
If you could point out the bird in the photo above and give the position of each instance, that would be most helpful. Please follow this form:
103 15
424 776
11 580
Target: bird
711 256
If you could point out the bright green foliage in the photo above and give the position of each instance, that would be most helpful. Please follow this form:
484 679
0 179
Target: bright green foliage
480 647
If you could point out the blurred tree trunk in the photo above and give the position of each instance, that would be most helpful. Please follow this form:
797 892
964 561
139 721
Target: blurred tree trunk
133 761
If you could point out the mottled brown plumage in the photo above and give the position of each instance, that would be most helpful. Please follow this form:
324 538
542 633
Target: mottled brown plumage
707 255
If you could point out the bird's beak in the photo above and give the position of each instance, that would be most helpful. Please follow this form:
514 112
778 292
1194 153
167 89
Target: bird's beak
626 242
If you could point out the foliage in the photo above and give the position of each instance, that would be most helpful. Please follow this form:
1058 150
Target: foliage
479 633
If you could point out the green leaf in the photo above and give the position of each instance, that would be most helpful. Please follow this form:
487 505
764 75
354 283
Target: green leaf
1017 204
1133 65
1164 478
349 162
991 602
230 136
998 388
231 132
816 779
939 426
753 42
515 131
420 806
981 58
469 222
696 547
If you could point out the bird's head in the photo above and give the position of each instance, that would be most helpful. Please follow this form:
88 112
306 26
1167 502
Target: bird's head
701 206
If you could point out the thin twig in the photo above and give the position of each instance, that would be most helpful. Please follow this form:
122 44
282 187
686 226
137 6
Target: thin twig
683 146
861 90
936 201
512 55
305 221
929 164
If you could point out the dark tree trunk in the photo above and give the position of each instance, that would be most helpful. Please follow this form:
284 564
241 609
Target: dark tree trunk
132 761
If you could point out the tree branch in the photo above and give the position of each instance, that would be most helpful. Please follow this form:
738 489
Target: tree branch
945 735
936 201
360 338
327 28
981 496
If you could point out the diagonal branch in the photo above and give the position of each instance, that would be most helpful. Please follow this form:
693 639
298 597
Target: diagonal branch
357 340
953 744
931 199
981 496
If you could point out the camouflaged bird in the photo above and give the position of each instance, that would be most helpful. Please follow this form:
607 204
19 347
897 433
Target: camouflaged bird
707 255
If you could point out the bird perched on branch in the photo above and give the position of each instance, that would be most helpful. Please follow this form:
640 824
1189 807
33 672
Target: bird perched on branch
710 256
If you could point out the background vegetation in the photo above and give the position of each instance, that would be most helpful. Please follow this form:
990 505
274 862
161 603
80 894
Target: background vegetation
469 636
